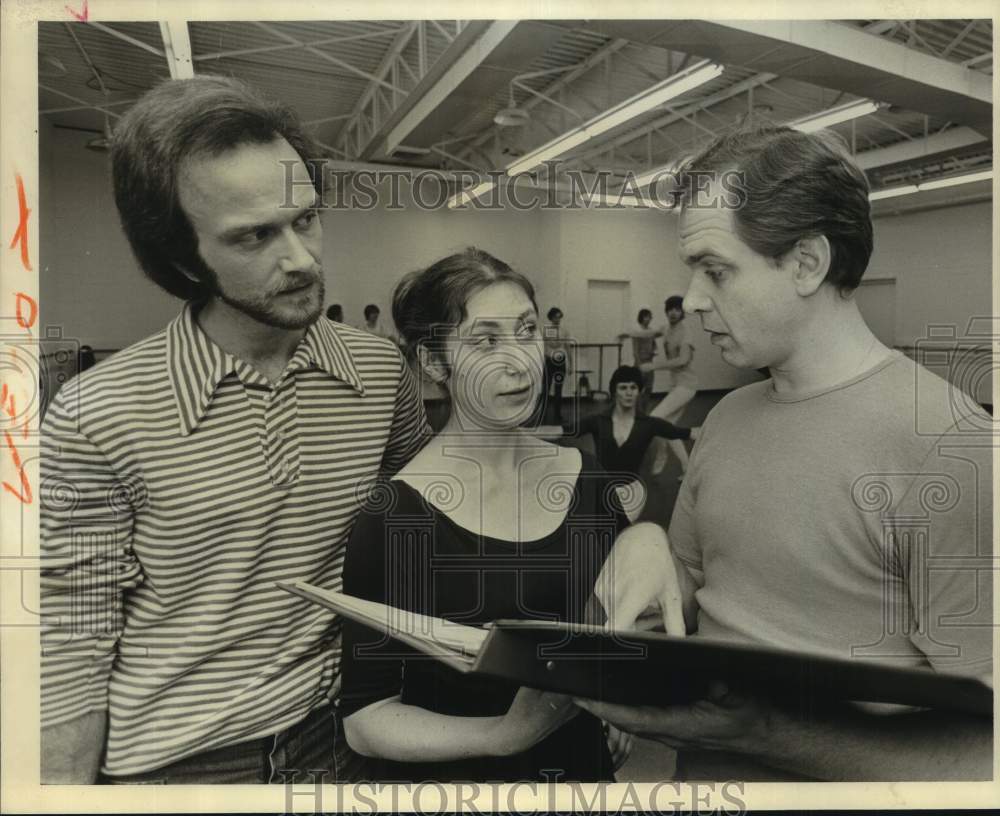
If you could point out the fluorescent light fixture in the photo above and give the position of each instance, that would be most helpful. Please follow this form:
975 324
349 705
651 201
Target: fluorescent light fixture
550 150
936 184
468 196
643 179
893 192
637 105
634 201
834 116
621 199
611 200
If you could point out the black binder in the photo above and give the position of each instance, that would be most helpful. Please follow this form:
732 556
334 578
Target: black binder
652 668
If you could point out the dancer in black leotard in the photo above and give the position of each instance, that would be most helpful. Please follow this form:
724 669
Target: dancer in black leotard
622 435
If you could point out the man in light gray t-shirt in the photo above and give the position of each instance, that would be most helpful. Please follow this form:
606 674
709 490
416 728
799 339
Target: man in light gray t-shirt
833 542
842 507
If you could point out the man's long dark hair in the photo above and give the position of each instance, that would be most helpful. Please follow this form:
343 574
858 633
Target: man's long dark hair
179 119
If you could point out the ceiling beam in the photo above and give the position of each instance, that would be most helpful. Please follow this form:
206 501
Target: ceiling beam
88 60
177 48
595 59
277 32
952 139
125 37
424 100
395 48
978 59
958 39
680 113
830 55
845 59
268 49
842 42
86 105
599 56
881 26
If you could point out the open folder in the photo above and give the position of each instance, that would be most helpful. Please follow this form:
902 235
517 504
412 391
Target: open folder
650 668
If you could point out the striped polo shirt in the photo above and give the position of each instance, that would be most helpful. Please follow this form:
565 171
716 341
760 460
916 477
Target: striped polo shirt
178 485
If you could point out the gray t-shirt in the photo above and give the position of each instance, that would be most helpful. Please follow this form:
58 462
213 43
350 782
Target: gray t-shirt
854 521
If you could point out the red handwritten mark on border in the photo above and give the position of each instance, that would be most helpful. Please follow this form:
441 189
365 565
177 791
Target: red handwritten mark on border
22 228
24 494
81 17
32 310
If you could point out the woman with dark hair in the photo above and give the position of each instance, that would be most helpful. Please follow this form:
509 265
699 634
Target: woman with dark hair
622 436
487 521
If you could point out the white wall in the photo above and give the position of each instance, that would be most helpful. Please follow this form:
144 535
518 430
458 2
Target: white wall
640 247
93 289
90 285
941 260
366 253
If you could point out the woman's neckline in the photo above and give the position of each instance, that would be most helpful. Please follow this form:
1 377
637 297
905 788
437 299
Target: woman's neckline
507 542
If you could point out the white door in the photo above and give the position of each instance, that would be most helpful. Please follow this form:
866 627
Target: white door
608 303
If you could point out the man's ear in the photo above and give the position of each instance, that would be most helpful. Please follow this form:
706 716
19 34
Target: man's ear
433 365
811 257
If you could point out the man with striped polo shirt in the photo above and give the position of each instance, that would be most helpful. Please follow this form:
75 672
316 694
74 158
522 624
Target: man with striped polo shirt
187 474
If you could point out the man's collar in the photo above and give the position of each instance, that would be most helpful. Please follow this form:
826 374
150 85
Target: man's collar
196 365
328 351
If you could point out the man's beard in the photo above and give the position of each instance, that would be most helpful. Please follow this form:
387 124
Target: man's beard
263 309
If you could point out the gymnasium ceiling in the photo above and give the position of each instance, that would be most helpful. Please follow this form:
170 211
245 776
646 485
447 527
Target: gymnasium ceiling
426 93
